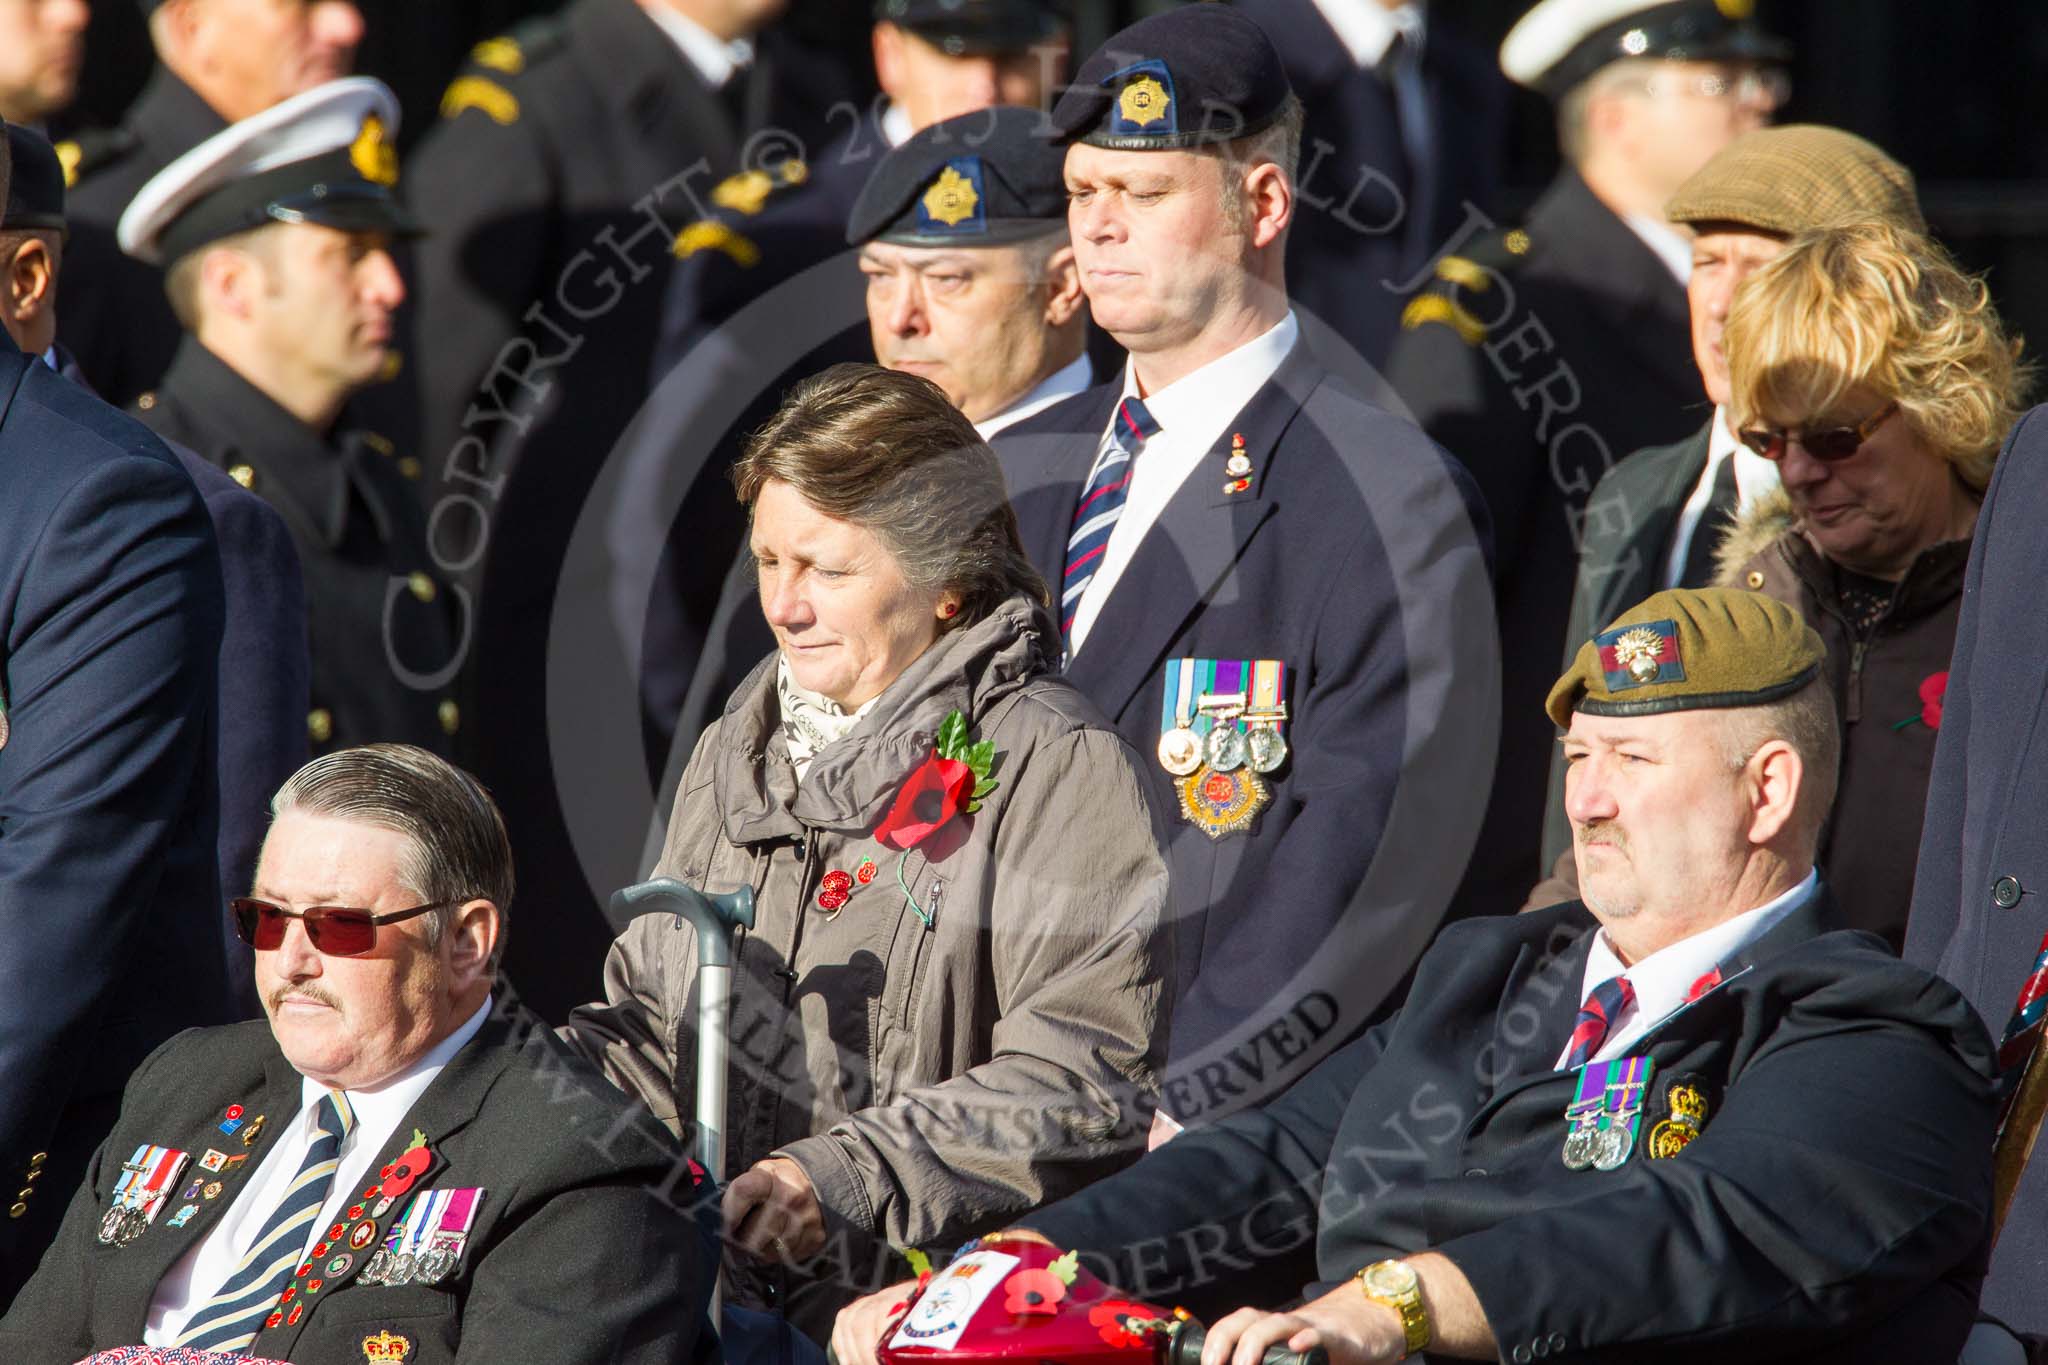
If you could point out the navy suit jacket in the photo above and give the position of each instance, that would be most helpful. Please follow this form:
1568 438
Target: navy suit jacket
1356 558
1832 1208
110 919
1980 894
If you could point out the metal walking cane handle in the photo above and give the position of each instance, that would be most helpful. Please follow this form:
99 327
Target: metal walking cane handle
714 917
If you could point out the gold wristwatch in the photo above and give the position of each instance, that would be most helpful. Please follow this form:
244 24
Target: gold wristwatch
1394 1284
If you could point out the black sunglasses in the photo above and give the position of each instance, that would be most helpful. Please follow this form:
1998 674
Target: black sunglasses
336 930
1836 443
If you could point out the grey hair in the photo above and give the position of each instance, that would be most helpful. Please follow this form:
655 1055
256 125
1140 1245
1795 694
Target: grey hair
1806 720
889 452
456 846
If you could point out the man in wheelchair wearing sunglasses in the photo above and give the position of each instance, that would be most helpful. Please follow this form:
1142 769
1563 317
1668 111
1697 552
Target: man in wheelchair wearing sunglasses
400 1158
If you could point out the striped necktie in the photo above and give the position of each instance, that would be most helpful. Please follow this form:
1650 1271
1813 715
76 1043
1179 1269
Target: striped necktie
1596 1018
1102 502
229 1320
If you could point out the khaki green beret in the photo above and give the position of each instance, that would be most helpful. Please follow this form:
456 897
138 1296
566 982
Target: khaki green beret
1690 649
1796 177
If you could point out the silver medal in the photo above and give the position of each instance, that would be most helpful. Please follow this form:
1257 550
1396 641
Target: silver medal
1180 751
373 1269
1225 749
434 1266
110 1226
1613 1147
401 1268
1578 1148
1266 748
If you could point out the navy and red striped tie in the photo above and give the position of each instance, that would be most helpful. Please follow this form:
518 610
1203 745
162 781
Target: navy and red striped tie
1102 502
1596 1019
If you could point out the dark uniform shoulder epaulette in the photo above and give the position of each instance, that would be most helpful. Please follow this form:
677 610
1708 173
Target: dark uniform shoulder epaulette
736 198
1463 275
486 81
93 150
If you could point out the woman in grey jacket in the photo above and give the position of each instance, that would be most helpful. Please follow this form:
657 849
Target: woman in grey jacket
953 1005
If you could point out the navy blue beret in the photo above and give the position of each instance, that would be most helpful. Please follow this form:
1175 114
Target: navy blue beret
981 179
1191 77
35 192
961 28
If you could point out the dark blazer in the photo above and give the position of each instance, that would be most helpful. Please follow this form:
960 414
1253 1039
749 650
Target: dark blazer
1541 356
582 1250
1630 520
375 611
1354 558
568 158
264 675
115 318
1833 1208
1365 221
110 921
1979 912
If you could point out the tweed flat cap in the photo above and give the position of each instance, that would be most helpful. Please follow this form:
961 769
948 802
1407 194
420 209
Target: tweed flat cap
1190 77
1690 649
982 179
1795 177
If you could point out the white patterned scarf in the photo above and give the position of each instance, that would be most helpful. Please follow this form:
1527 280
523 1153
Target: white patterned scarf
811 721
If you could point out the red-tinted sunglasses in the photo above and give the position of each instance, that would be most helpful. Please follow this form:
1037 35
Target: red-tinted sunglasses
336 930
1836 443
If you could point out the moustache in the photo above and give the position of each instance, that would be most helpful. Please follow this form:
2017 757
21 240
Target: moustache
302 992
1589 835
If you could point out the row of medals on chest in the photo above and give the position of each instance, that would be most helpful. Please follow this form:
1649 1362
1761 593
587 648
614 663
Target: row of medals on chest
1259 745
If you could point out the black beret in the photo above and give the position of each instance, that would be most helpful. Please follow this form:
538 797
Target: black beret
1191 77
35 192
981 179
961 28
1560 43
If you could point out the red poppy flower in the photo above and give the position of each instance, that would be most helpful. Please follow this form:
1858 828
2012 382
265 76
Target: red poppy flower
1034 1293
1121 1322
933 795
836 881
1933 690
865 873
406 1170
831 900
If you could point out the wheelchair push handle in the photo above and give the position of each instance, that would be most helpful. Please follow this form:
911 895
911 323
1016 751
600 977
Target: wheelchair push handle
1184 1347
713 915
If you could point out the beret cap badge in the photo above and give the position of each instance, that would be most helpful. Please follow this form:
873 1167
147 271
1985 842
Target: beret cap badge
1637 650
1144 101
951 199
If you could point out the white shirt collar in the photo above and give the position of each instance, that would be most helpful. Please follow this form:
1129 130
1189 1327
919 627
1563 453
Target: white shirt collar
716 60
1064 382
385 1105
1754 477
1665 978
1673 247
896 129
1366 27
1204 400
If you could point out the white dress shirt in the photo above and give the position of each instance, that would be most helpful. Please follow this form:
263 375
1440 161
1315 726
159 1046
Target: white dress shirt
1366 27
716 60
1664 978
1672 247
1064 382
1193 413
895 125
198 1275
1754 477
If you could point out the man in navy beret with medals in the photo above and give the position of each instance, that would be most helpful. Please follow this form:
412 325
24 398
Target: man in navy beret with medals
1683 1120
398 1164
1230 536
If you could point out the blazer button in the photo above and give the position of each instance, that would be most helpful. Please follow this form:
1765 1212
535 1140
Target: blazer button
23 1195
1520 1354
1540 1347
1557 1341
1475 1173
17 1211
2006 892
1755 579
39 1158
